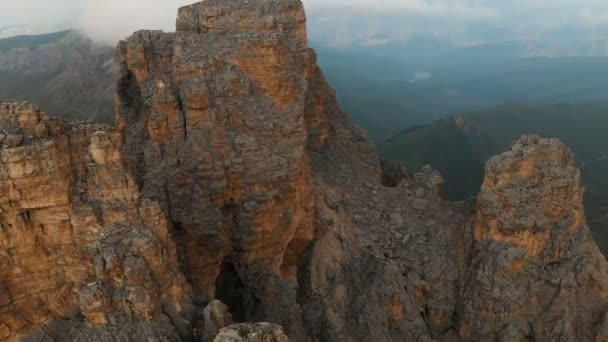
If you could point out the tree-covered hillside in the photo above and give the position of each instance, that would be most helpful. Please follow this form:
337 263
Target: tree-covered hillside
460 146
387 95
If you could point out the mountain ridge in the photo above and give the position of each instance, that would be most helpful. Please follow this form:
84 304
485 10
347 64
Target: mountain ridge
64 72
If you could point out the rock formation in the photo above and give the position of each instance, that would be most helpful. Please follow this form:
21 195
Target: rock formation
259 332
219 136
76 235
233 189
535 270
215 317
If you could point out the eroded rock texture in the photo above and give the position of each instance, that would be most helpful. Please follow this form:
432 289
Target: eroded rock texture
76 236
535 271
215 123
235 190
258 332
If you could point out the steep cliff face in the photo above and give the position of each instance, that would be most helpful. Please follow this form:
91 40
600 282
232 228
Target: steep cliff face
216 119
235 190
76 236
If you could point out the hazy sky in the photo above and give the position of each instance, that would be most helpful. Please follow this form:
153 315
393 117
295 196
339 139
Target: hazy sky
110 20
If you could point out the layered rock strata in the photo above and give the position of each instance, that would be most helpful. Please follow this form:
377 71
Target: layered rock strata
216 119
76 236
233 189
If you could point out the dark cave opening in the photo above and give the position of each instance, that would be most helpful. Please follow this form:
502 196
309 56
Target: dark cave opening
230 290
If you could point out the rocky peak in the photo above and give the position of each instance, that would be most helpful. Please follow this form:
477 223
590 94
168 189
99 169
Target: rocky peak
233 189
534 260
529 194
217 118
244 17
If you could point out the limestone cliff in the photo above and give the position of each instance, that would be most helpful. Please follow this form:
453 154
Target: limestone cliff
216 119
76 236
233 189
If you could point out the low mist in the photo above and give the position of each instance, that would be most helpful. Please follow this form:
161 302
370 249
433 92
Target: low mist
468 21
109 21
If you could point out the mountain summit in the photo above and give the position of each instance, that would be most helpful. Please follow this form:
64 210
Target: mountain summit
234 190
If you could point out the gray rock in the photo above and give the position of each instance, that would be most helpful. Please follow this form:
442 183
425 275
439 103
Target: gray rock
13 140
435 180
420 204
396 220
215 317
332 200
252 332
420 192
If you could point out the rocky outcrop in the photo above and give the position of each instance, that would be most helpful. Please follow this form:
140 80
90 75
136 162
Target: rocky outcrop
535 271
215 317
76 236
235 190
259 332
219 136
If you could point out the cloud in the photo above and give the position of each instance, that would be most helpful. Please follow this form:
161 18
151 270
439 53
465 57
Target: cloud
35 11
591 18
111 20
108 21
442 8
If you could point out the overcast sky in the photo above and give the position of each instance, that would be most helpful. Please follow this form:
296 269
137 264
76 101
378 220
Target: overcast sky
110 20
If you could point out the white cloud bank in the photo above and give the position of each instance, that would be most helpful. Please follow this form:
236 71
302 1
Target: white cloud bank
442 8
111 20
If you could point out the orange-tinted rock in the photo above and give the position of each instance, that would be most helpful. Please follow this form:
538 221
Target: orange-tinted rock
73 237
535 265
233 176
222 135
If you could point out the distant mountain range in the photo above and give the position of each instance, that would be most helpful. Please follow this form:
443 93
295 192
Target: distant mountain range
40 28
387 35
387 95
63 72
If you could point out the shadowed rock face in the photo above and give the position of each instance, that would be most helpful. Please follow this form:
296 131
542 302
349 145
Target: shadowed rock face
233 177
